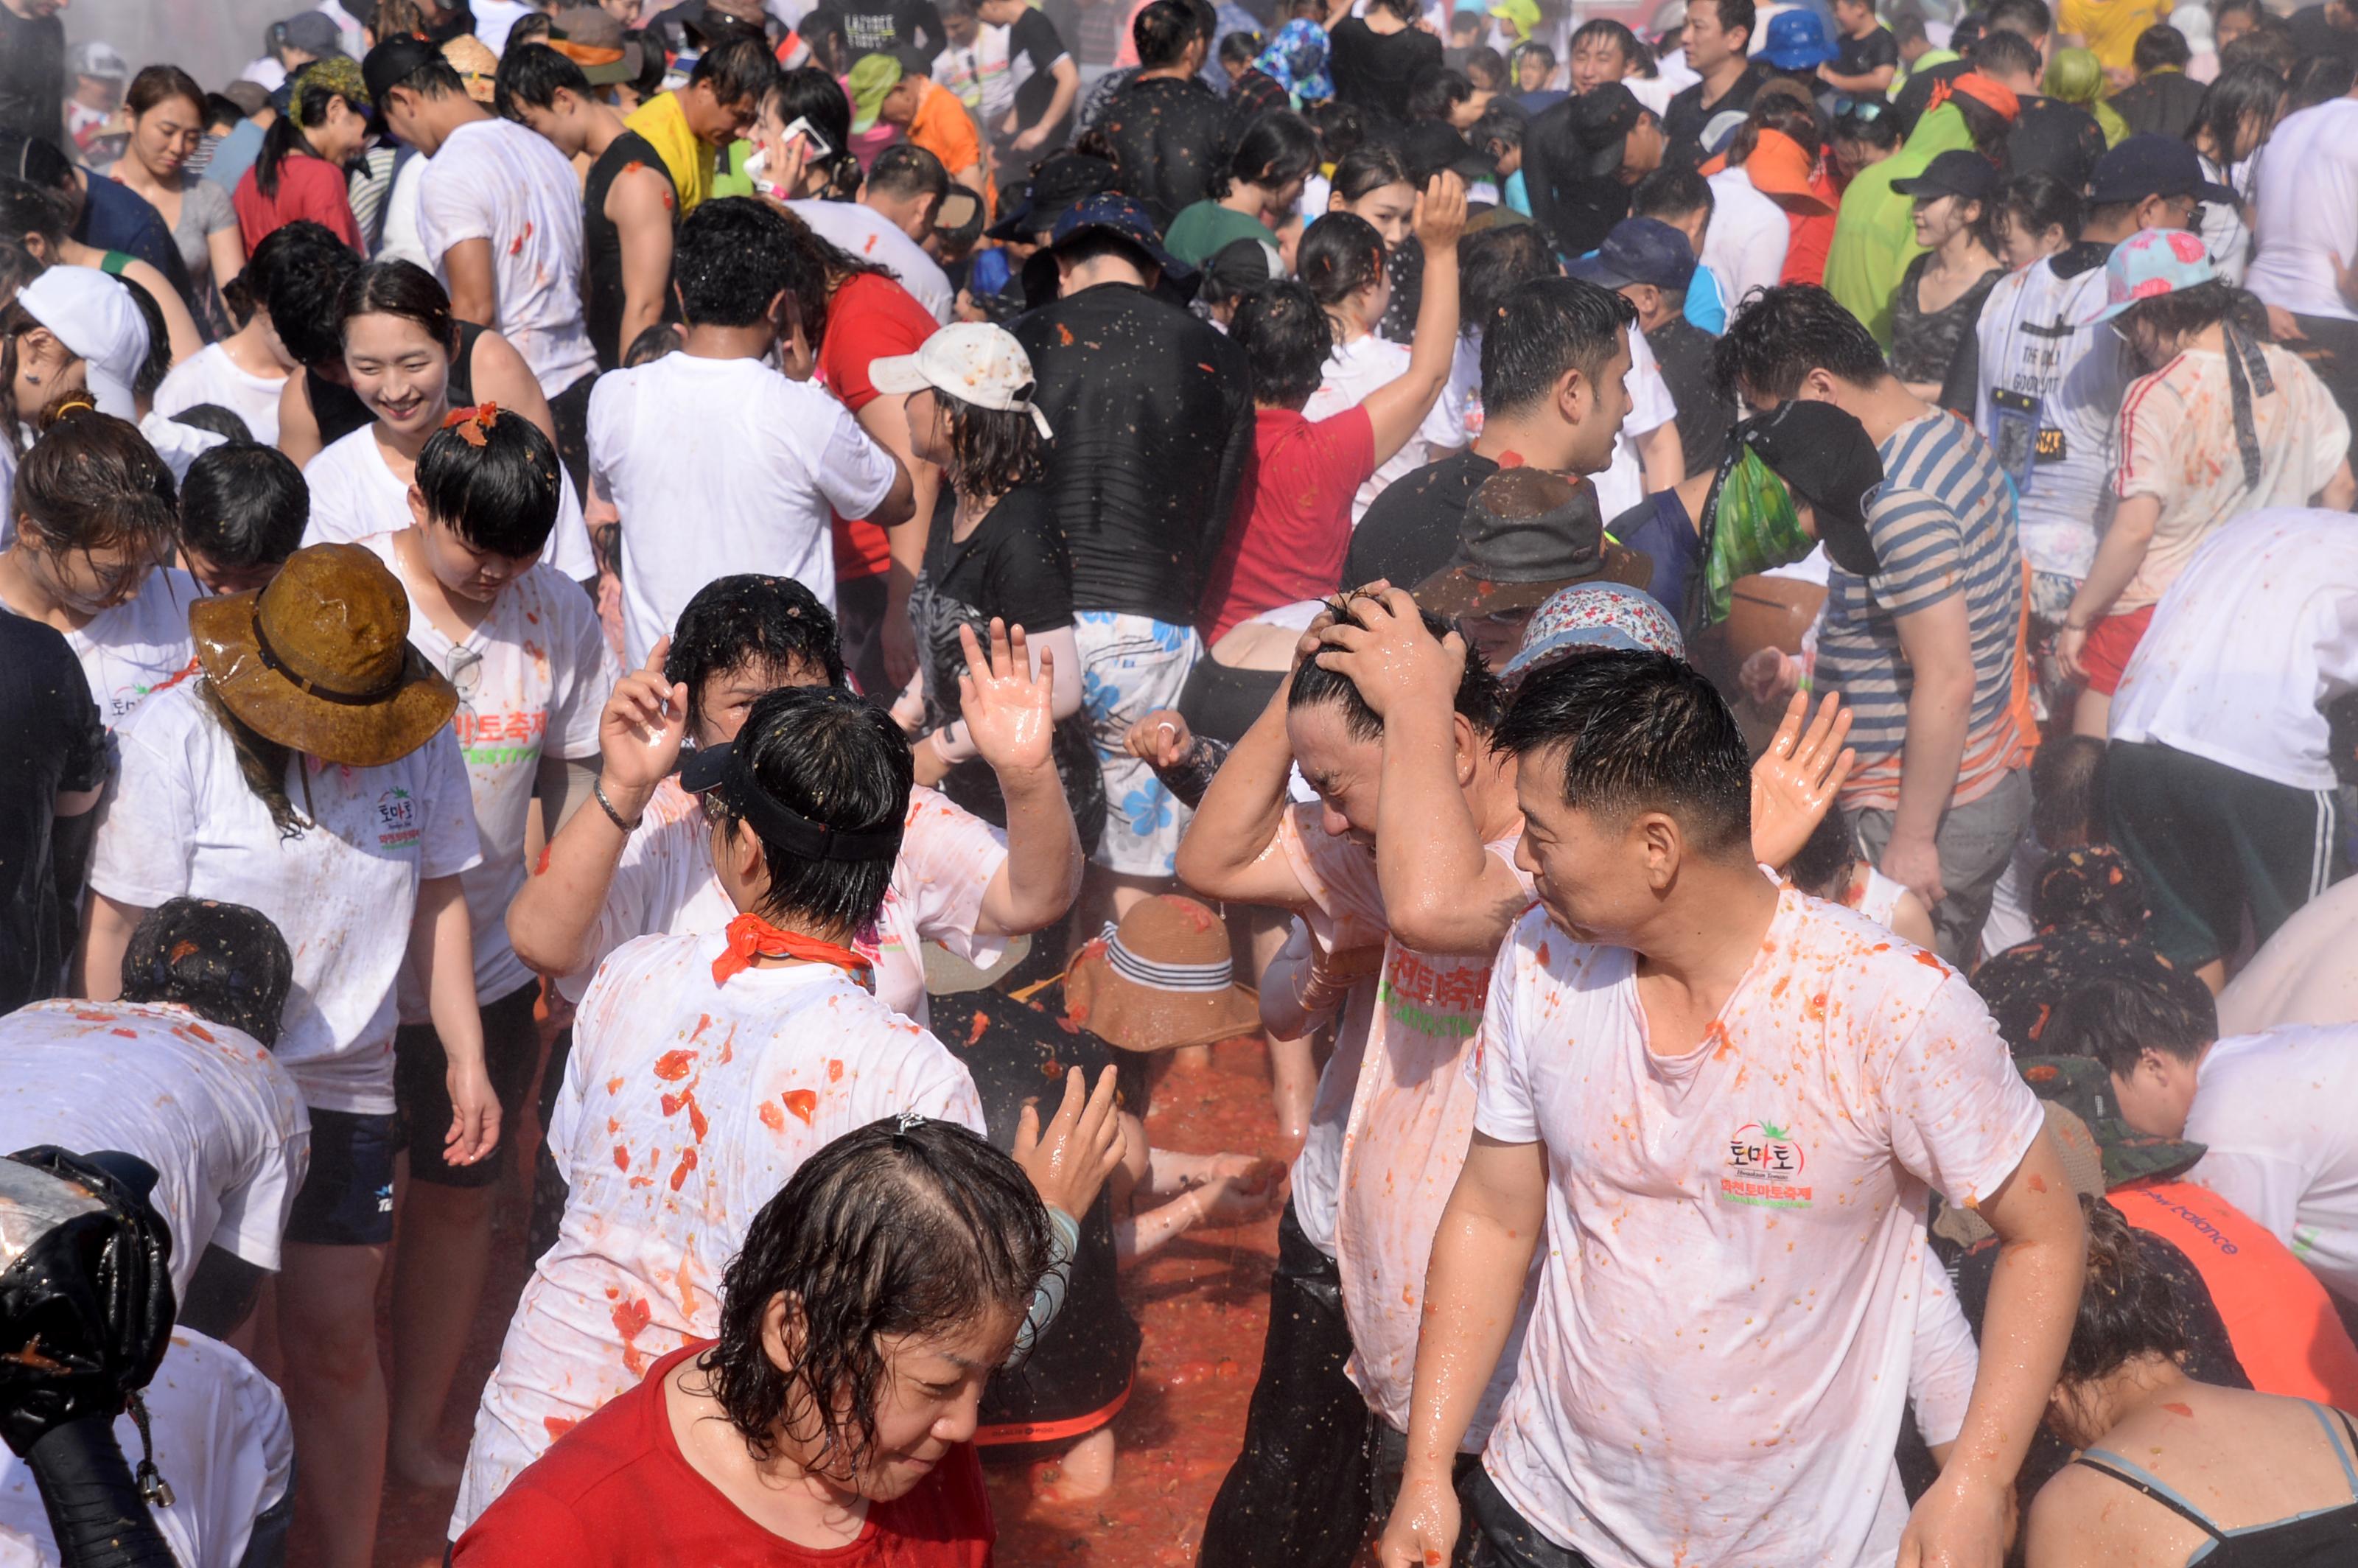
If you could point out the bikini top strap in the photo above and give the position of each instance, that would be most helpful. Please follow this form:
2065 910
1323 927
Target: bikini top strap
2120 1470
2341 1452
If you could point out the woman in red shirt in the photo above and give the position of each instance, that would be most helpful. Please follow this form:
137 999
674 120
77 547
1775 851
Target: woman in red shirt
831 1423
300 171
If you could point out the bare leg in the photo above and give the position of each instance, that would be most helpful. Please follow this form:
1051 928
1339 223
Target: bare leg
335 1395
1084 1471
2092 713
1292 1076
2213 974
437 1284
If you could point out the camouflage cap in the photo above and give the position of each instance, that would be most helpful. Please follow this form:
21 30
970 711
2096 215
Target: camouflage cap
2083 1086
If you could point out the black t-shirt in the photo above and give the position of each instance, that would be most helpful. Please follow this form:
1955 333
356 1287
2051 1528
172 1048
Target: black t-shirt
1575 208
2051 136
880 26
2317 37
1034 47
1857 57
1152 411
1166 134
603 298
1372 70
1705 412
1689 114
1013 565
33 76
2164 104
55 742
1411 530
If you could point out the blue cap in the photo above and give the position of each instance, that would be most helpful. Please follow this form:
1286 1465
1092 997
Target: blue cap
1797 40
1639 250
1113 213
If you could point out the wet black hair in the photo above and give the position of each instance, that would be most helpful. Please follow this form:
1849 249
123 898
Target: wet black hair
2238 92
1481 700
1988 127
1544 328
2319 79
496 482
1532 48
1880 129
2030 18
1342 129
2270 43
809 93
1285 336
837 761
531 76
1500 129
1493 263
2116 1019
288 245
1734 16
2161 48
1908 26
158 363
749 620
215 420
1240 47
159 84
244 504
2004 49
37 160
26 209
1670 191
1778 335
1162 32
2128 1307
395 288
223 111
1277 148
2041 201
992 450
1339 255
1369 167
2184 310
651 345
1489 62
93 482
1639 731
889 1231
1781 105
904 168
730 260
2067 789
1610 31
224 962
307 269
655 62
1823 866
741 69
1435 92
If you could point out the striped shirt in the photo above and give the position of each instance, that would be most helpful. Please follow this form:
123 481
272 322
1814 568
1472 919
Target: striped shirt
1943 524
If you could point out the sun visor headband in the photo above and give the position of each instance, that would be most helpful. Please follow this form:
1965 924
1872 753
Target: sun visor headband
720 769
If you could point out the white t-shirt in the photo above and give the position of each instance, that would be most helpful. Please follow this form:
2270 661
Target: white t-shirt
2223 234
1623 484
203 1103
858 228
664 884
688 1105
210 376
1729 1295
724 466
494 18
354 493
2260 628
532 679
400 240
493 179
2303 973
139 646
2273 1111
979 75
1410 1121
2303 223
1466 381
222 1443
1356 368
182 820
2049 389
1745 246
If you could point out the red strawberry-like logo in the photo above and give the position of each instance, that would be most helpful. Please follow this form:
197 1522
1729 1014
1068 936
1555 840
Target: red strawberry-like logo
2186 248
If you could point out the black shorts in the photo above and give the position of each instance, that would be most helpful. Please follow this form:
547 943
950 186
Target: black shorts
511 1050
347 1198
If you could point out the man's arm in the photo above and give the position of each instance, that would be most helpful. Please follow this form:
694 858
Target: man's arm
475 291
1067 78
641 204
2034 1296
1663 457
1230 848
1480 1255
886 420
1938 645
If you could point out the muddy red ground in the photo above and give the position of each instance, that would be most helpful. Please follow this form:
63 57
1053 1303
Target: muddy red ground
1202 1303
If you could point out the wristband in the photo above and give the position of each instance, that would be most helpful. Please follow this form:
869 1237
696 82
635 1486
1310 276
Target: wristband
598 794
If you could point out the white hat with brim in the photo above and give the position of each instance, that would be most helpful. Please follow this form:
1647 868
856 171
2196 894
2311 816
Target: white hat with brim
973 361
97 320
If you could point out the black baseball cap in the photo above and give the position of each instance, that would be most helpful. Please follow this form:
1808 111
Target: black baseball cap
1825 458
394 62
1602 119
1639 250
2150 164
1954 173
1056 184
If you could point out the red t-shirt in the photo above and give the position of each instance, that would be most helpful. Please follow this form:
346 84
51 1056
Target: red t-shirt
307 188
870 317
2278 1317
1292 525
616 1491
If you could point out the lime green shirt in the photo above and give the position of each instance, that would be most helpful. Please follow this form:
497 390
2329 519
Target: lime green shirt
1874 234
1202 231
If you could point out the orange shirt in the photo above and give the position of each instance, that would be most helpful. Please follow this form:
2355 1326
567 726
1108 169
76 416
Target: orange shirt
942 126
2281 1322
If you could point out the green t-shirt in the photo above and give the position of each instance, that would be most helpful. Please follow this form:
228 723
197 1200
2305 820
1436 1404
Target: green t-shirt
733 180
1205 230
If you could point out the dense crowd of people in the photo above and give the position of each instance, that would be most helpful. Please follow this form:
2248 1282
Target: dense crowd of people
1731 632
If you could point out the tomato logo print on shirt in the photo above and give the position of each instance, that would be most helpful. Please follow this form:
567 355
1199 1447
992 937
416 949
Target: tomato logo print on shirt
396 819
1764 1168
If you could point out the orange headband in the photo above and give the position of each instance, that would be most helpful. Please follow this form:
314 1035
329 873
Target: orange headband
1991 94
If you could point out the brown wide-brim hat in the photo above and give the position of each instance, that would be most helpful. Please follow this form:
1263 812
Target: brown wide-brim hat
1526 534
1161 980
319 659
1460 590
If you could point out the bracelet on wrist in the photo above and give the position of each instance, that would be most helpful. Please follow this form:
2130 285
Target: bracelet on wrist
598 794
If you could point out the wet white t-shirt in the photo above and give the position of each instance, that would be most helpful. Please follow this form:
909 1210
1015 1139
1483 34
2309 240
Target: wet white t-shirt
688 1105
2305 214
204 1104
856 227
2273 1112
210 376
222 1443
1745 246
1730 1282
182 820
139 646
1358 369
1623 484
354 495
532 679
664 883
493 179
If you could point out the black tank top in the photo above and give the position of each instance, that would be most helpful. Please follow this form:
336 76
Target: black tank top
2325 1538
337 410
601 245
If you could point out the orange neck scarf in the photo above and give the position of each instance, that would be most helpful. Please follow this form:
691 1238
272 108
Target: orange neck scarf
751 936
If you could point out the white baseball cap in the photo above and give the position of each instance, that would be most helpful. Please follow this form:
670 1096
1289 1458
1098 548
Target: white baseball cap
95 317
973 361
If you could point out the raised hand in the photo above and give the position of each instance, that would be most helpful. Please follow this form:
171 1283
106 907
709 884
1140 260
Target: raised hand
1072 1158
1384 651
640 733
1161 740
1441 213
1009 711
1796 779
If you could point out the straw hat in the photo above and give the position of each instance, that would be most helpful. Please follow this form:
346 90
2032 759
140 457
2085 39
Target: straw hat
1161 980
319 659
477 66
